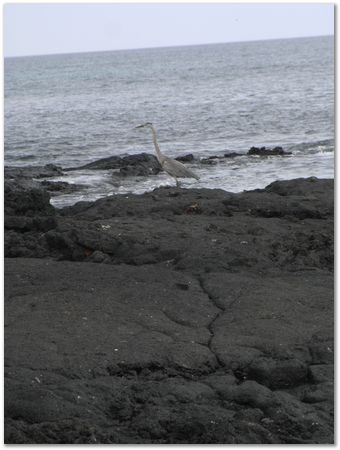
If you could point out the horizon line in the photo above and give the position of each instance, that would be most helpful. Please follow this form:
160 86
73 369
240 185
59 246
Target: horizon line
166 46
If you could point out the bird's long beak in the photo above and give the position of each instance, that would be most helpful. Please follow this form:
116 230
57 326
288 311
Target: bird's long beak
139 126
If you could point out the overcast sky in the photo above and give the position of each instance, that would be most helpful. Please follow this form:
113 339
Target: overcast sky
32 29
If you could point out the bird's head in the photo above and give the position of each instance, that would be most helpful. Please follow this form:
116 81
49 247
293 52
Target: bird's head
145 125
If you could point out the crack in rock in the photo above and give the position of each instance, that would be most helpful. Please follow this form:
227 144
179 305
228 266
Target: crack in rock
210 326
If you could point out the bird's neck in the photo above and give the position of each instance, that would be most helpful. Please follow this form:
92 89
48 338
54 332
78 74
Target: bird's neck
158 151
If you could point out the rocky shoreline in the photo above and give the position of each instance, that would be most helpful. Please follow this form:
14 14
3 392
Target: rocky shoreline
136 165
177 316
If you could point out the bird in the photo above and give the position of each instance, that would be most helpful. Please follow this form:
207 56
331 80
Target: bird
171 166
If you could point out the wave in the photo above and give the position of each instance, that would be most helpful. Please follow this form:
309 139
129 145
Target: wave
316 147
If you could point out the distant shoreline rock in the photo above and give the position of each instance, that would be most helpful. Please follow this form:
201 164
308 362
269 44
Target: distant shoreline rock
144 160
137 165
61 187
140 164
276 151
253 151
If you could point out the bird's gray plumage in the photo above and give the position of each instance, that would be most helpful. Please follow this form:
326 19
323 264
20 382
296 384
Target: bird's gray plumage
174 168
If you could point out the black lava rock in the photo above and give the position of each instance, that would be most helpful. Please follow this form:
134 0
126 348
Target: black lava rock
276 151
185 158
179 316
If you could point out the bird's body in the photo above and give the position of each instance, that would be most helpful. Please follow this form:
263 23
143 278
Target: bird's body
174 168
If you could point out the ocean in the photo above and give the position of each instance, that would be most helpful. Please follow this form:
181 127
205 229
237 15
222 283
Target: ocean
206 100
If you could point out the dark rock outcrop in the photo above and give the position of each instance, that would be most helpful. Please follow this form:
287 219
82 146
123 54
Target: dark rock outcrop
29 177
26 199
257 151
209 161
186 158
111 162
141 164
61 187
267 152
28 214
233 155
49 170
138 164
177 316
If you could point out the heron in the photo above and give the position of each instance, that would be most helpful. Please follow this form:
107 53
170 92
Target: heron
169 165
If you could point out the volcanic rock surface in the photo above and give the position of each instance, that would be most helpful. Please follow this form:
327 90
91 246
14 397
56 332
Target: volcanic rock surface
177 316
263 151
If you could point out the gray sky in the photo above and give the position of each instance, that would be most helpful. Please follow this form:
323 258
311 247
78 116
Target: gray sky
32 29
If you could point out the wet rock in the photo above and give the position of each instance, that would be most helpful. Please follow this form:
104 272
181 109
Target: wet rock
61 187
209 161
185 158
215 157
267 152
262 151
141 164
111 162
49 170
233 155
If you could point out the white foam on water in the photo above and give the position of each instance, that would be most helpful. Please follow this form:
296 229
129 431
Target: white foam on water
230 174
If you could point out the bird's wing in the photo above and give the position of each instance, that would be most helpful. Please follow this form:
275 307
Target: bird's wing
177 169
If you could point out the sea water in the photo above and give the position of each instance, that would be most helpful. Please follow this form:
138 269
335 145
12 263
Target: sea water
206 100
